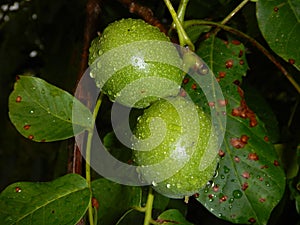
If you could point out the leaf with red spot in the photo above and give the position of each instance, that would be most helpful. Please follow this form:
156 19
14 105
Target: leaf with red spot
109 195
250 180
279 22
249 171
62 201
42 112
227 59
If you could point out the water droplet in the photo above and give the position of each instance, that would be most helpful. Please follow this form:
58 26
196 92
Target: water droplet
31 111
154 183
231 200
53 121
237 194
226 169
168 185
267 184
220 214
18 189
222 176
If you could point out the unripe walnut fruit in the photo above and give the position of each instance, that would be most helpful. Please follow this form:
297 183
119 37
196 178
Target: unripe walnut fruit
134 63
173 137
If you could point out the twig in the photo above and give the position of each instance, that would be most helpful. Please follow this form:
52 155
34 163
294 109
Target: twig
230 15
144 12
253 42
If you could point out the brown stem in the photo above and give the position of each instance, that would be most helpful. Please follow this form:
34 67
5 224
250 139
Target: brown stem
92 15
144 12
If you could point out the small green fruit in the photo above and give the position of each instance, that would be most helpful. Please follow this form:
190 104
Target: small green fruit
173 148
134 63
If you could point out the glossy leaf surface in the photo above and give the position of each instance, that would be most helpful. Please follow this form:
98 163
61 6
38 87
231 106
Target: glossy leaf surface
249 181
114 199
62 201
279 22
43 112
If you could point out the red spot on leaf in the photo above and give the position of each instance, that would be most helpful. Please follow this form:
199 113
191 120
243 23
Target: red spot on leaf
246 175
241 62
237 143
266 138
222 74
252 220
196 195
245 186
221 153
264 167
222 102
241 53
244 138
276 9
211 104
276 163
26 127
229 64
261 178
30 137
236 42
182 93
223 198
292 61
18 189
244 111
262 199
17 77
194 86
95 203
186 80
18 99
253 156
215 188
237 159
210 196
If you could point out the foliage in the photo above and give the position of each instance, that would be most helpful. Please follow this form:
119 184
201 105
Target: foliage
254 57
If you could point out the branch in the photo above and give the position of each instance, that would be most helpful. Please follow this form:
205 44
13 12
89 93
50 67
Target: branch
92 15
255 43
144 12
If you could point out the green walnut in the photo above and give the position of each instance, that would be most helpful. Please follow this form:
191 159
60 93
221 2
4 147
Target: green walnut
135 64
175 147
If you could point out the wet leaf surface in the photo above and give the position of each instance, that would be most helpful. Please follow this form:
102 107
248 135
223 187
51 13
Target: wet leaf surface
42 112
62 201
279 22
250 180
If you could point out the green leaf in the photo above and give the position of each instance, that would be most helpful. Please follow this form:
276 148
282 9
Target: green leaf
172 217
279 22
250 180
62 201
43 112
226 59
194 31
114 199
131 217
